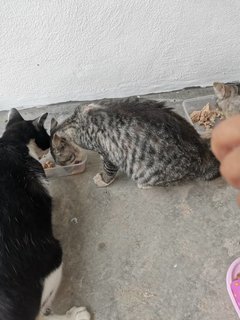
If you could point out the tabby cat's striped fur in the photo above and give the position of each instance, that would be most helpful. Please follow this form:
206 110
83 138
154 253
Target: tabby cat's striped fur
228 98
148 141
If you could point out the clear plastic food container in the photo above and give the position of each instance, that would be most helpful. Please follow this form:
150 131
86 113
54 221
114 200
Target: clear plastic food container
62 171
196 104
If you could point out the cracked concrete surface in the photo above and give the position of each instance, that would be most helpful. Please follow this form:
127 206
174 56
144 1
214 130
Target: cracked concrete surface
156 254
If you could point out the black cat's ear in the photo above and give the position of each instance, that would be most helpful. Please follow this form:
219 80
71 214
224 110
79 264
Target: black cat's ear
54 124
14 116
39 122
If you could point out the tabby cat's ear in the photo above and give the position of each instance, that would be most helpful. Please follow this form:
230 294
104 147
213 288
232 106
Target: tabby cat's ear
56 140
39 122
219 89
14 116
54 124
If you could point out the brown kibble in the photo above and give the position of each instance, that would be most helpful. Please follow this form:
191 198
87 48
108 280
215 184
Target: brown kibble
195 116
206 108
48 164
206 117
51 165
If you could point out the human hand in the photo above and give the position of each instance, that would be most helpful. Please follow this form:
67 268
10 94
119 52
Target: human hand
226 147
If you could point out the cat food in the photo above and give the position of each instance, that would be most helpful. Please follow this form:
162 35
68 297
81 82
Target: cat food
206 116
48 164
52 170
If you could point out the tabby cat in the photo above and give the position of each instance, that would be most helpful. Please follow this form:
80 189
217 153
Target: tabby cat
228 98
30 256
143 138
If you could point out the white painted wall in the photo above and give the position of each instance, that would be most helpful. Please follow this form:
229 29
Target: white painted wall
56 50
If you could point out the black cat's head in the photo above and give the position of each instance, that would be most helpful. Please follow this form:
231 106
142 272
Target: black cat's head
29 132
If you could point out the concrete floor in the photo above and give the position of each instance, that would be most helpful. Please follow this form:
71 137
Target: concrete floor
157 254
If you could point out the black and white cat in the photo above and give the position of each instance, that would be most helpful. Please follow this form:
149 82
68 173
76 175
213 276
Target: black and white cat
30 256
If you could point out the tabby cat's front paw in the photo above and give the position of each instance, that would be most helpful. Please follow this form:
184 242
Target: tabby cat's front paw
144 186
99 181
80 313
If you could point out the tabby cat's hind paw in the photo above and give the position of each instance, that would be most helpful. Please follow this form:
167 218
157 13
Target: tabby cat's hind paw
80 313
98 180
